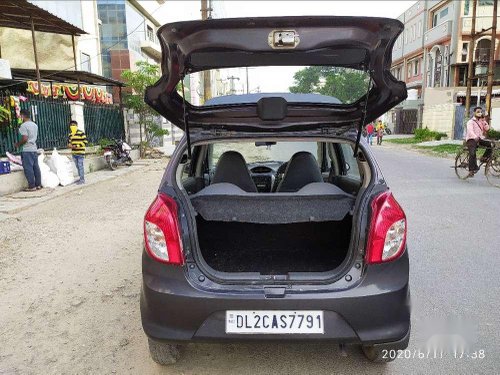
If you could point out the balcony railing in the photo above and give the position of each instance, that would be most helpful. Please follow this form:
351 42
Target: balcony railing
482 23
438 32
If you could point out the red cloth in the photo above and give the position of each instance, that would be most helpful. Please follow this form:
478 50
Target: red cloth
369 128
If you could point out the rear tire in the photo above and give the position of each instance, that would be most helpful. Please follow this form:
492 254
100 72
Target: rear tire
162 353
388 131
492 171
129 162
378 355
462 164
111 162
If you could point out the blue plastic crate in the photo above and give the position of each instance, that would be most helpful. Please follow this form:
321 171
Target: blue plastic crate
4 167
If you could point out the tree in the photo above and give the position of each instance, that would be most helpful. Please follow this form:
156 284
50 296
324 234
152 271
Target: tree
145 75
347 85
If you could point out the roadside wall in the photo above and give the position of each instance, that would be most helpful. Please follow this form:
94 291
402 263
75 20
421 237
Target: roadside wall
15 181
439 110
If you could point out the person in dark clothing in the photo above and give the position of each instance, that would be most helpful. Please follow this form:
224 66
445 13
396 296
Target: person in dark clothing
29 154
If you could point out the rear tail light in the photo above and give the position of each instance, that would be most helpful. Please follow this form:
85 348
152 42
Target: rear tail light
387 237
161 231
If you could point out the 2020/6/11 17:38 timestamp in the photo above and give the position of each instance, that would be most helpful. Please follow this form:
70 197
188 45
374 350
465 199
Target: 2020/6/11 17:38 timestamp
433 354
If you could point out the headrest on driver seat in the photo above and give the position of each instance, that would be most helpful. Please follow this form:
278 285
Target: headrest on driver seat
232 168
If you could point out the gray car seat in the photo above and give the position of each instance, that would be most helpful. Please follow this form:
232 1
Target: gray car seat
302 169
232 168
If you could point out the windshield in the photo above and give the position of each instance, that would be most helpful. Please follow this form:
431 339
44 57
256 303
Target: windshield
328 84
280 151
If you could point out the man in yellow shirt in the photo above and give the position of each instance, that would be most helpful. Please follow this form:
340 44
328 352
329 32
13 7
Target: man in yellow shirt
77 140
379 128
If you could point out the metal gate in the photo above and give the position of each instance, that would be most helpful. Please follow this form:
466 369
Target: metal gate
51 115
103 121
406 121
458 129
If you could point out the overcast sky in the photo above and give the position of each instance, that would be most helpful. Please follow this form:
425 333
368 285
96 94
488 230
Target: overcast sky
278 80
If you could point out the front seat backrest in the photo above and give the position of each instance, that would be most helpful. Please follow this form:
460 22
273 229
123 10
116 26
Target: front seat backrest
232 168
302 169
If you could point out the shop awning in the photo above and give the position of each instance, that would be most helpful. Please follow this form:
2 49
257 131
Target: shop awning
18 14
66 76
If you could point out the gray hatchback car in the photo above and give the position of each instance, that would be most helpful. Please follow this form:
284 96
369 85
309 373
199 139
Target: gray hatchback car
273 220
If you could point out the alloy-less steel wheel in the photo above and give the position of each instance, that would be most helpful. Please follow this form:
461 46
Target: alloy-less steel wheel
462 164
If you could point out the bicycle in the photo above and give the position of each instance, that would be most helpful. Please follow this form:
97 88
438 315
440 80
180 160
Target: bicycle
491 169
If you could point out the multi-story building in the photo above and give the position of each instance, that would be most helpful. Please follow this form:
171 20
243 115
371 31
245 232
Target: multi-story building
127 34
438 70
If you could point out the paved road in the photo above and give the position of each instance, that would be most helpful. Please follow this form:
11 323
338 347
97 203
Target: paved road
71 306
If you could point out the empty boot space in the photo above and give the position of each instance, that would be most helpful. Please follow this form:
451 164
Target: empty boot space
274 248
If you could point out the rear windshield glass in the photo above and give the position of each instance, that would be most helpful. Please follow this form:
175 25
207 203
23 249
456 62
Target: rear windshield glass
254 152
324 84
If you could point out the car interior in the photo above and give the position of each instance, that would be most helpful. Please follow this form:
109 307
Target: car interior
260 204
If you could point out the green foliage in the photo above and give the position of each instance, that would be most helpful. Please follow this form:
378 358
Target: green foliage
442 149
424 135
347 85
493 134
4 113
104 142
144 75
403 141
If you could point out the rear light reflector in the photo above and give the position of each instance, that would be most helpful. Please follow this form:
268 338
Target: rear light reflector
387 236
161 231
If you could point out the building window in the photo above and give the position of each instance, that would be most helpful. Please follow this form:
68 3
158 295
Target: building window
466 7
415 67
464 52
438 16
409 69
438 68
85 62
443 13
486 3
150 34
430 64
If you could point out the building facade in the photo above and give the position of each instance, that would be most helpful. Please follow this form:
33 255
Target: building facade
127 35
438 69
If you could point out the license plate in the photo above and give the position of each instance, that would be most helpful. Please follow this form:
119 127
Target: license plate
274 322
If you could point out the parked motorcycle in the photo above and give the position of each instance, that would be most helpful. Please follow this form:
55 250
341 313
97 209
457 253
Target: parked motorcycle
117 153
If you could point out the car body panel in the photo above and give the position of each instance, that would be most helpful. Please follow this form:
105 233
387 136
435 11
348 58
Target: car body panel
357 42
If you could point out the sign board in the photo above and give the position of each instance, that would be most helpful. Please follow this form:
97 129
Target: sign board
5 72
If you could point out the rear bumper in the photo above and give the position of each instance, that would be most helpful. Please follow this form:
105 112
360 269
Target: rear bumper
377 311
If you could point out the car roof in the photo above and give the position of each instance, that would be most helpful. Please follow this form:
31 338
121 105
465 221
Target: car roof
289 97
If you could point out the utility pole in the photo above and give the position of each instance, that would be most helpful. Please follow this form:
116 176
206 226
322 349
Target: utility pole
231 85
207 84
491 67
470 70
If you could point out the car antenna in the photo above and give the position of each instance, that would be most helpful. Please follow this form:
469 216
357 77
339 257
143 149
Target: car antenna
362 122
185 118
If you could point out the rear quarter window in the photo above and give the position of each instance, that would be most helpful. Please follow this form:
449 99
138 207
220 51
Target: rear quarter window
351 167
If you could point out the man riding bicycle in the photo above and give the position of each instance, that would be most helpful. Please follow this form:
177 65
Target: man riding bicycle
474 137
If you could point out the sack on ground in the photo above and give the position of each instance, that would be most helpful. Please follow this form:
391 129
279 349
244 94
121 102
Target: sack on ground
64 168
49 178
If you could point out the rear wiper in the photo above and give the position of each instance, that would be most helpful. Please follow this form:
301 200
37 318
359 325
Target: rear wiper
362 122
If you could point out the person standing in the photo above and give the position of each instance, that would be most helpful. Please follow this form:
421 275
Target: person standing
380 131
77 140
474 137
29 155
370 129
